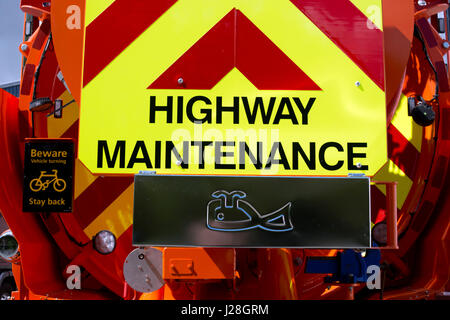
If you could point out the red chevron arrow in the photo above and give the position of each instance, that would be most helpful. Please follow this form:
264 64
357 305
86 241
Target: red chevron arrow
115 29
234 42
351 31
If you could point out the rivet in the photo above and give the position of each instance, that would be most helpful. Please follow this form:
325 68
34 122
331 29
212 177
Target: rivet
446 45
180 81
357 83
178 163
24 47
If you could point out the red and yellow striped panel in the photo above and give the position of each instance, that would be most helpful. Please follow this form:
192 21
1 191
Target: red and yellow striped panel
96 209
292 49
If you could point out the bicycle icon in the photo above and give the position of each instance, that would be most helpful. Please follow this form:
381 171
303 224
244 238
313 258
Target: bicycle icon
37 184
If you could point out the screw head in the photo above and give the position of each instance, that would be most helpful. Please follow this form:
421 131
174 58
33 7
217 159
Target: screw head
178 163
23 47
446 45
180 81
357 83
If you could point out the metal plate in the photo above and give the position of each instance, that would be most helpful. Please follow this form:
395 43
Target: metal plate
223 211
142 269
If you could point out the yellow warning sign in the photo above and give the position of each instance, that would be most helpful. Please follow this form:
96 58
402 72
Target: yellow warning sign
247 89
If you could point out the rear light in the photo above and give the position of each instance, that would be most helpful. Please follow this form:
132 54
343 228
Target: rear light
104 242
9 247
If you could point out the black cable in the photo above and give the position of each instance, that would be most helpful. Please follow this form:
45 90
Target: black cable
418 35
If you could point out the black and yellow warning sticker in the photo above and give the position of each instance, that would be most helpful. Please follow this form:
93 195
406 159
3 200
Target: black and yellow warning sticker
48 176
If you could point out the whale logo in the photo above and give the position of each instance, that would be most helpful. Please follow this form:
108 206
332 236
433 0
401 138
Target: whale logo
229 212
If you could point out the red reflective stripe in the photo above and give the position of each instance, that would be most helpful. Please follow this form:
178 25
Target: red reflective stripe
445 116
441 70
115 29
42 34
94 200
206 62
234 42
425 29
27 79
402 152
348 28
264 64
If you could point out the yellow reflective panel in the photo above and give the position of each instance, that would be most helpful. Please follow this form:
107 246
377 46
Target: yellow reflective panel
344 126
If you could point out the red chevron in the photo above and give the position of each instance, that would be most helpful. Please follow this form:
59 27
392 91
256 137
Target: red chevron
347 27
115 29
235 42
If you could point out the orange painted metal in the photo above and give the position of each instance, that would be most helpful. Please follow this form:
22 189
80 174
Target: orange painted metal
421 265
199 263
69 42
438 167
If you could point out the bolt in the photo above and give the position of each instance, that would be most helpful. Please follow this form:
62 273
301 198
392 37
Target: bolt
180 81
141 256
446 45
357 83
358 165
24 47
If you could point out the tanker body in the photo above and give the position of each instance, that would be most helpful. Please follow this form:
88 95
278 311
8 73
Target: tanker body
189 149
